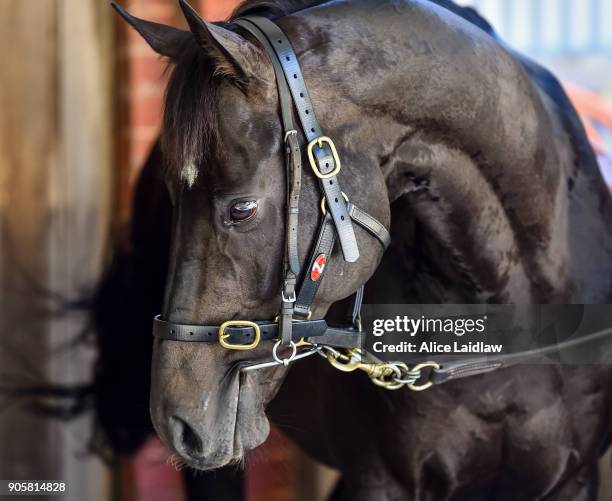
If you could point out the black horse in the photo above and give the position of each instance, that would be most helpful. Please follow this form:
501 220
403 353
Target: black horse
478 159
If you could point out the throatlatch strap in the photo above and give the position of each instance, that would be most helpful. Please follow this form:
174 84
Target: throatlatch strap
322 153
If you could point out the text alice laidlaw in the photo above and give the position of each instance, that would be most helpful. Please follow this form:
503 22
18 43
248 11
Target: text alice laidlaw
410 326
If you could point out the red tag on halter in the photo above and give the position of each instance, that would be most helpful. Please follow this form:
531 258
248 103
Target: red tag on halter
318 267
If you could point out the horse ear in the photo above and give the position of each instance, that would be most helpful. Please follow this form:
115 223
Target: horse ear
164 40
234 57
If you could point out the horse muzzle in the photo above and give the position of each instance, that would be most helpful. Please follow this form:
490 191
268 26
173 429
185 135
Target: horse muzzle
211 420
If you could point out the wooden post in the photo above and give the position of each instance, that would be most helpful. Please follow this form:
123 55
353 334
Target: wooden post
55 203
29 151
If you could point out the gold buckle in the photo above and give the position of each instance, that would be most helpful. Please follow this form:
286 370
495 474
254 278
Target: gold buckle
319 141
238 323
324 200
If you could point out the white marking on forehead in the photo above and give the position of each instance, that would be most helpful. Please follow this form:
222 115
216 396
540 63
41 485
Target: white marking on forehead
189 174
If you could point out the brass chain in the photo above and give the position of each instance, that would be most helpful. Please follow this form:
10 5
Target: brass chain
388 375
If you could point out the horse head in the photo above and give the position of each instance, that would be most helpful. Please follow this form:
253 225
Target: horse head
224 156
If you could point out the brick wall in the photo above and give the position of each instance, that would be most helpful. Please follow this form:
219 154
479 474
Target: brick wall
217 10
142 81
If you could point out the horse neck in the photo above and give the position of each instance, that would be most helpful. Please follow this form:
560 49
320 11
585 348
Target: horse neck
394 69
413 90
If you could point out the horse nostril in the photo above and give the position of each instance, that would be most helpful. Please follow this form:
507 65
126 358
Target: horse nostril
186 440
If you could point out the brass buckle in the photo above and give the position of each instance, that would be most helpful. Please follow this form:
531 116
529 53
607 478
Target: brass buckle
319 141
239 323
324 202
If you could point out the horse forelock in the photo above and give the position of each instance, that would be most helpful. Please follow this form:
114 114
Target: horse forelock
190 136
190 132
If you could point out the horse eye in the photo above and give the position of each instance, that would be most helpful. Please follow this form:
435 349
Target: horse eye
243 211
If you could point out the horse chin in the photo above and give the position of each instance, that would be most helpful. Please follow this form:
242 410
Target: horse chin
229 450
217 429
245 427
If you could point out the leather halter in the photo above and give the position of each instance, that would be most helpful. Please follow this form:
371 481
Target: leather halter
293 323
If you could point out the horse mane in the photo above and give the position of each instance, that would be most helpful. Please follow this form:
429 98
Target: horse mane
190 128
